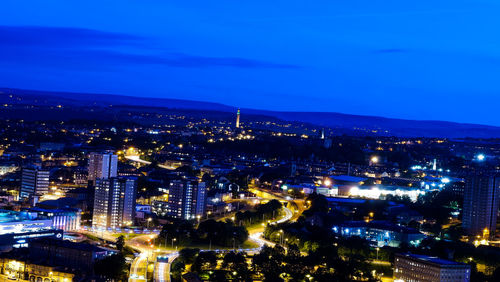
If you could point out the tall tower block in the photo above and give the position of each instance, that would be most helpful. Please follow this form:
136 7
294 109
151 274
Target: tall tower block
238 119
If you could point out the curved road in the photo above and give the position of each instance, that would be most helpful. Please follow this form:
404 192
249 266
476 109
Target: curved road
161 271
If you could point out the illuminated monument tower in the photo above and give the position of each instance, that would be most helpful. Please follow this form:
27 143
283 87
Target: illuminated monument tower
238 119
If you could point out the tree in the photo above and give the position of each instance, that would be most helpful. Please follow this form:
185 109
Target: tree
269 266
177 268
120 243
112 267
236 263
188 255
221 233
204 261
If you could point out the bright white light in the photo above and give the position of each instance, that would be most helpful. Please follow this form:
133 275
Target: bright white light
480 157
328 182
445 180
354 191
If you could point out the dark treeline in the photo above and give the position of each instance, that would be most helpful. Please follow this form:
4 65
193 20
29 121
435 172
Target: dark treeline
261 213
217 233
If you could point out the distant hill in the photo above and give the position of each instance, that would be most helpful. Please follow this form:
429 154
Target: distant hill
366 124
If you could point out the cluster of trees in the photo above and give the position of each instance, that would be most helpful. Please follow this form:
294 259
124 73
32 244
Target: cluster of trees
435 205
274 264
217 233
261 213
114 267
233 265
322 264
349 149
313 237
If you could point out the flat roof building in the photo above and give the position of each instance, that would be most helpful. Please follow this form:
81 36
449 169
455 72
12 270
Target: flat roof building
413 268
380 233
114 202
17 229
34 182
102 166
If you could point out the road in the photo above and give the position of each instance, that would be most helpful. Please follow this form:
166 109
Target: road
138 269
162 269
142 244
161 272
139 160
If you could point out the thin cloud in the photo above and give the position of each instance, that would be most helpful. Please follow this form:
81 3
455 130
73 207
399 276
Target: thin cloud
86 49
63 37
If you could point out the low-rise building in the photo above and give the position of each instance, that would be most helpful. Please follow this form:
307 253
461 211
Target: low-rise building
411 267
19 269
67 219
17 229
380 233
80 256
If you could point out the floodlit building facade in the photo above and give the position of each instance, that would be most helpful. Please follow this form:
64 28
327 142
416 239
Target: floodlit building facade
34 182
102 166
186 198
413 268
114 202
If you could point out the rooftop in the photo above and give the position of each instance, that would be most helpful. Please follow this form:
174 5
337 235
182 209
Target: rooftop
348 178
434 260
70 245
380 224
11 216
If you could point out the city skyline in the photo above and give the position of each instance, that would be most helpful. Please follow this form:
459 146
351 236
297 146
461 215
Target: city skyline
418 61
262 141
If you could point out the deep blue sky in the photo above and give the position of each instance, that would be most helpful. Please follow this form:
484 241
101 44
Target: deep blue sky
421 59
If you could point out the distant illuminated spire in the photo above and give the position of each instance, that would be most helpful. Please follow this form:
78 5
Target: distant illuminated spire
238 119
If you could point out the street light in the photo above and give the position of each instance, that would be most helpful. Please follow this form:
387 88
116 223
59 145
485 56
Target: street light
173 240
377 251
327 182
149 220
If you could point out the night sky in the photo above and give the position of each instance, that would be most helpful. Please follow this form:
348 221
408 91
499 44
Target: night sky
422 59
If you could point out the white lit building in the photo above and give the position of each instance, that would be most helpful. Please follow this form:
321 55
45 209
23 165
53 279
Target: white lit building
34 182
114 202
67 219
411 267
18 228
102 166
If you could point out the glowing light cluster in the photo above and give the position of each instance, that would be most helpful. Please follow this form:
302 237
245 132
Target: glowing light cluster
375 193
